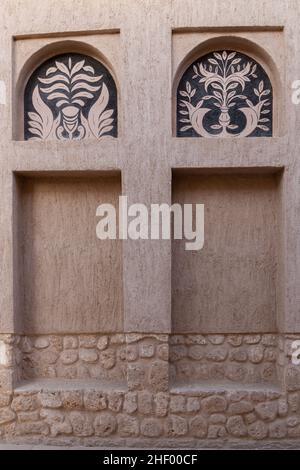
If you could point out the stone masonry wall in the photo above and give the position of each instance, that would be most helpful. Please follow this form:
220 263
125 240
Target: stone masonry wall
149 406
73 356
90 417
237 358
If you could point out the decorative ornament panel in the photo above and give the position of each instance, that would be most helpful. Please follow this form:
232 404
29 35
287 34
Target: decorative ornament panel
70 97
224 94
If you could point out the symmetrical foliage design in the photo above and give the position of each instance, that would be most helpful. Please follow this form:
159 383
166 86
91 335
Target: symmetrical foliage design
70 97
224 94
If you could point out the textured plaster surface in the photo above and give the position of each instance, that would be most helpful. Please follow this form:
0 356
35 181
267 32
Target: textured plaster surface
145 45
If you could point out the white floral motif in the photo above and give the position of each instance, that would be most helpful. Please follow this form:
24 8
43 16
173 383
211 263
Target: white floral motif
222 80
70 86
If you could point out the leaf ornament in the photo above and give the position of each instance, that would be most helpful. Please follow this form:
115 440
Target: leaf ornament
41 121
225 81
68 87
99 119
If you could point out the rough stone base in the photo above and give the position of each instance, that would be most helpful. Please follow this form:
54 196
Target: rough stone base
146 405
94 417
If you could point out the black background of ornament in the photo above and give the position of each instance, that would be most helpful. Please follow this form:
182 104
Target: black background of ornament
99 69
237 117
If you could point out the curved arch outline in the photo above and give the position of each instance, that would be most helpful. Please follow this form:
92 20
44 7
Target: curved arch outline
244 46
42 55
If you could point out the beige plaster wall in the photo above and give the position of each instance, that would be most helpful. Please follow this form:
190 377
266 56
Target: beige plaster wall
146 149
230 285
144 42
70 281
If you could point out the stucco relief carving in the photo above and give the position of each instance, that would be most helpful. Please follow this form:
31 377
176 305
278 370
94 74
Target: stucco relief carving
70 97
224 94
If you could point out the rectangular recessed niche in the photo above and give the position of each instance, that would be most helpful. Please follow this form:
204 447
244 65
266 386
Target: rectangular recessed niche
66 280
231 285
225 296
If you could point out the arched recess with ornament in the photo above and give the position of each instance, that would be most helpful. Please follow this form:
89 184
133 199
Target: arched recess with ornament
70 96
227 88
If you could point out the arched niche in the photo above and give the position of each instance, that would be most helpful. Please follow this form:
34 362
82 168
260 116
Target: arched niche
68 92
227 87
